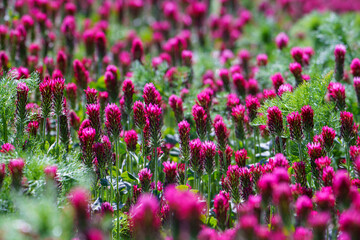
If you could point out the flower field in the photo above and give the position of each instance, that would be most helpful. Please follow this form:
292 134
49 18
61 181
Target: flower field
179 119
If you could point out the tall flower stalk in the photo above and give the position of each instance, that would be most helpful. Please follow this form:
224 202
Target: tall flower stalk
46 97
113 126
58 86
21 113
154 116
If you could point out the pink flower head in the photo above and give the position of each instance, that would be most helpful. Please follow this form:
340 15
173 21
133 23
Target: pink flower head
303 207
187 56
281 174
302 233
32 128
22 95
357 87
269 94
252 86
222 134
71 93
285 88
93 111
347 122
322 162
131 139
154 115
7 148
262 60
252 105
186 208
113 120
266 186
315 151
221 207
339 52
225 78
151 95
16 168
139 114
246 183
204 99
297 54
275 121
81 74
240 84
79 200
337 94
354 152
145 176
233 175
281 40
238 116
100 41
57 88
355 67
296 69
294 121
176 104
200 118
197 156
277 80
209 151
106 209
350 222
341 185
307 116
137 49
128 90
328 176
232 101
328 135
319 221
279 161
51 172
61 60
91 95
112 81
325 199
145 217
87 138
241 157
170 169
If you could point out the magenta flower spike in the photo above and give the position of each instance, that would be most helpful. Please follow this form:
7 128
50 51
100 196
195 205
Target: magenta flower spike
176 105
145 176
222 134
277 80
137 50
328 136
170 170
151 95
196 156
16 169
233 175
346 128
87 139
221 207
307 117
241 157
355 67
300 173
296 70
81 74
294 121
91 96
128 90
337 95
339 53
93 112
200 118
238 116
240 84
131 139
139 114
145 218
252 105
275 121
281 40
113 120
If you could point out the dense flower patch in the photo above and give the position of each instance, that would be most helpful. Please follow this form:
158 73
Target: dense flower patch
132 119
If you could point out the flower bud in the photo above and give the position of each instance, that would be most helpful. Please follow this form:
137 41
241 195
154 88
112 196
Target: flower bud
339 52
275 121
281 40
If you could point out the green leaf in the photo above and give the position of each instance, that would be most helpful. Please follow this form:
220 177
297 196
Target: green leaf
182 187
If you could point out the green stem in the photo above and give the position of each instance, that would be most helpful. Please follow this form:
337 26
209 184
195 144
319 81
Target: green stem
186 167
209 192
5 127
156 167
281 144
254 144
117 188
44 130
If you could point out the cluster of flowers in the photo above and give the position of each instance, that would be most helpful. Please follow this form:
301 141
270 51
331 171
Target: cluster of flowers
312 198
